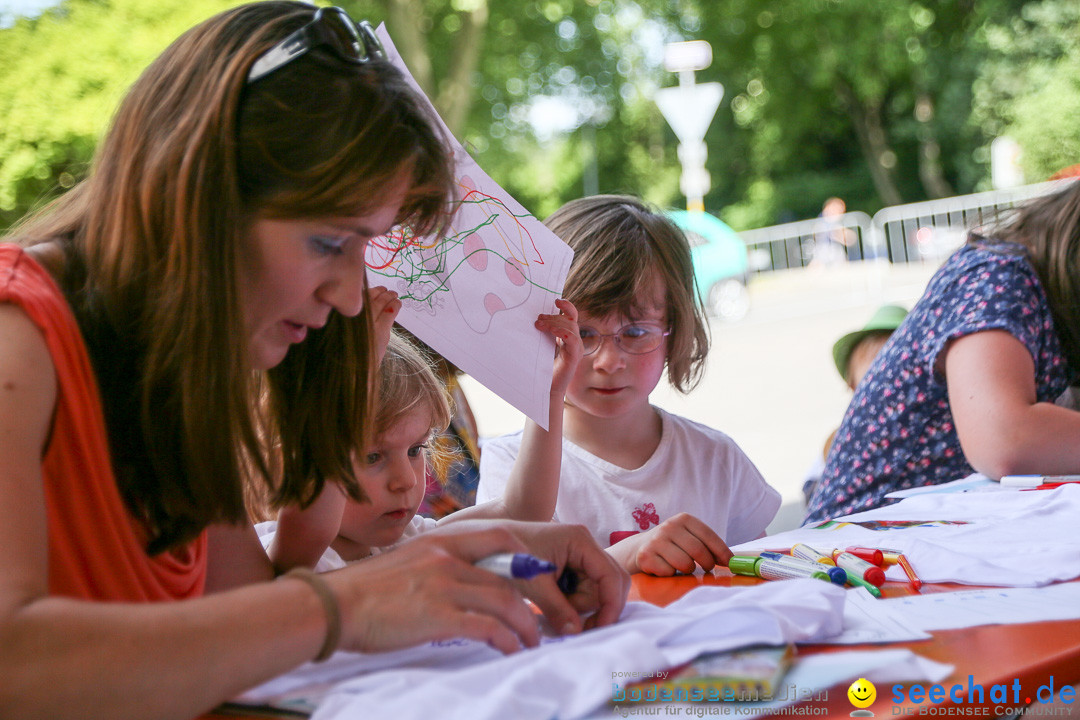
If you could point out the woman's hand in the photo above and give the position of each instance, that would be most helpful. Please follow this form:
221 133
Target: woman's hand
677 545
601 585
428 589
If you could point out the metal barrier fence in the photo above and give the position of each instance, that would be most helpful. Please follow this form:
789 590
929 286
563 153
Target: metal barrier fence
917 232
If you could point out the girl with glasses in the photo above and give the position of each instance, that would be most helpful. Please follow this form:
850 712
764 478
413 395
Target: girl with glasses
663 491
192 318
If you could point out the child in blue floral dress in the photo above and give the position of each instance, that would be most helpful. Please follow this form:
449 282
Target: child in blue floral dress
968 381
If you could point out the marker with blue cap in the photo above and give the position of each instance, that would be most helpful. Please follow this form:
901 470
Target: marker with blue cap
836 575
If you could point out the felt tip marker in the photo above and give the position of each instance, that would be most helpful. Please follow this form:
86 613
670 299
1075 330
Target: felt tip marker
806 552
856 581
835 574
1037 480
860 568
767 569
870 555
515 566
913 579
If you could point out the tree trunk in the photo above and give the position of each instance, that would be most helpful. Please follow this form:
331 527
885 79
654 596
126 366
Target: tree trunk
455 90
930 173
453 95
871 136
402 20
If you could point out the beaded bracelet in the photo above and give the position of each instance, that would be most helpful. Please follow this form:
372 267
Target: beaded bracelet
330 607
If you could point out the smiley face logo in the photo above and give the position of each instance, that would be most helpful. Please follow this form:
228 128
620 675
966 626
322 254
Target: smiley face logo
862 694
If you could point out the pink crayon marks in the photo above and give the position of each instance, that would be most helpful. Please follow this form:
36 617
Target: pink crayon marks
497 252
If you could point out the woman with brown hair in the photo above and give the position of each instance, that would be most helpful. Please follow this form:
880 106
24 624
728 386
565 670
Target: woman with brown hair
213 256
969 380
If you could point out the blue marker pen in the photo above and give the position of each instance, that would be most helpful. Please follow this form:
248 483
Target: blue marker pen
516 566
836 575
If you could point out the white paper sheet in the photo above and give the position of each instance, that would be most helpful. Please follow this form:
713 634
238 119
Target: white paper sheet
995 606
870 620
474 295
1006 539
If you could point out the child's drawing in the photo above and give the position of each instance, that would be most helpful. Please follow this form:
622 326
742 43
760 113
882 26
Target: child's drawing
474 294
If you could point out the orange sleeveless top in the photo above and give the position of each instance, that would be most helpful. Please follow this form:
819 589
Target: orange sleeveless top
96 548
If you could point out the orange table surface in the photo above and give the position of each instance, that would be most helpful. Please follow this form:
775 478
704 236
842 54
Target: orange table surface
1022 657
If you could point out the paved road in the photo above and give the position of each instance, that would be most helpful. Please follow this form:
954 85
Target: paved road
770 383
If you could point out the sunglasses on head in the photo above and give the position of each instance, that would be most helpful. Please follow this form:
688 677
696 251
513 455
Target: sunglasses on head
352 42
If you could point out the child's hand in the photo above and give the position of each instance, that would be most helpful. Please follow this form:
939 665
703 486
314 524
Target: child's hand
385 307
677 545
568 346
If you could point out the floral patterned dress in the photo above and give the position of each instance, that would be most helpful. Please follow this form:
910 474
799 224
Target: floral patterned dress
898 431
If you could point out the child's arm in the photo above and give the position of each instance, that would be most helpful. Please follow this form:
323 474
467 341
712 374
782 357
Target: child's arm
304 534
679 544
385 307
533 484
1002 429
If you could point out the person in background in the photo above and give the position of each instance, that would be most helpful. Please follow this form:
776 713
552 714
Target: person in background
633 473
831 239
213 258
852 354
969 380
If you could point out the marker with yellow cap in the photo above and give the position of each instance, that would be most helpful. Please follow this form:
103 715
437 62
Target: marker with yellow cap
801 550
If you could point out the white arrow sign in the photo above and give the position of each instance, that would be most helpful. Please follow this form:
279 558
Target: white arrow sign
689 109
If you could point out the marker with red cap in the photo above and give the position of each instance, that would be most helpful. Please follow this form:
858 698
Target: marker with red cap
860 568
870 555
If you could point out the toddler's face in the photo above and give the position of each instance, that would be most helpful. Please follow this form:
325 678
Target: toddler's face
393 473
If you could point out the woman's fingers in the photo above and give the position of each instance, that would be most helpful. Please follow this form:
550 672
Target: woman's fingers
428 589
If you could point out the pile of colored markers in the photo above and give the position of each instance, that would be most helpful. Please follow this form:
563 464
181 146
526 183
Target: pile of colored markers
855 566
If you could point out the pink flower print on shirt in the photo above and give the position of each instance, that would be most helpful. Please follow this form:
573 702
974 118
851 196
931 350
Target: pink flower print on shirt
646 516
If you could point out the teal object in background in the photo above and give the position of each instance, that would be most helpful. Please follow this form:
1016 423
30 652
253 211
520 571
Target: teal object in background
721 263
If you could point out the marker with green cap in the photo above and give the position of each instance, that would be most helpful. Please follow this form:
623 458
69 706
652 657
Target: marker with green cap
856 581
754 566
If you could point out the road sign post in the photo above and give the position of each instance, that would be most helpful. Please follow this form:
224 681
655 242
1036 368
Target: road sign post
689 108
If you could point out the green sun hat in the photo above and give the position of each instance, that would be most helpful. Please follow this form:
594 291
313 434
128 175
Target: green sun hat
886 317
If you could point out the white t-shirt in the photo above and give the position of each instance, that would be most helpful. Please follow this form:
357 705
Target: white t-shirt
330 560
695 469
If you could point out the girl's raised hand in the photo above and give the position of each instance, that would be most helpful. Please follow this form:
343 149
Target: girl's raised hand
385 307
568 347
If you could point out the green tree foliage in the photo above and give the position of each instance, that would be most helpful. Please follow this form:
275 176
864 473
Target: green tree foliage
878 102
62 75
1029 85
